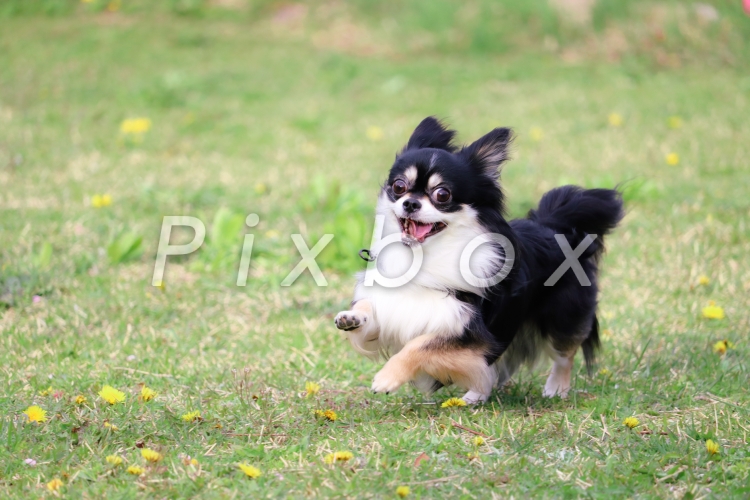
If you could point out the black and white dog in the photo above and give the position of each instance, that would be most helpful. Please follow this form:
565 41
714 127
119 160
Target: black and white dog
446 326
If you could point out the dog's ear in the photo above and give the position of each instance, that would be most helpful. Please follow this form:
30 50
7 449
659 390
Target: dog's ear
431 134
489 152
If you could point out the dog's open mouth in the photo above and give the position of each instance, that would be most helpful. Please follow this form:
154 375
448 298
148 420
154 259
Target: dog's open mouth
414 231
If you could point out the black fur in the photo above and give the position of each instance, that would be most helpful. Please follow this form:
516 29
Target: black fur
431 134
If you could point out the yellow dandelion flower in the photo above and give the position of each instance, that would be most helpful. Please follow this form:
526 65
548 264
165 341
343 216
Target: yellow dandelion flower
722 346
712 311
151 455
615 119
111 395
80 399
449 403
536 134
312 388
375 133
101 200
703 280
136 470
111 427
147 394
712 447
114 460
46 392
604 372
631 422
135 126
327 414
250 471
191 416
193 462
478 441
672 159
339 456
403 491
36 414
260 188
55 484
674 122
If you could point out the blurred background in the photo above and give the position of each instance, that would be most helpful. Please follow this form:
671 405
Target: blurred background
115 113
293 110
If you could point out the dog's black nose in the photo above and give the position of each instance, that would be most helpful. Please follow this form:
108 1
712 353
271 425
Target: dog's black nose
412 205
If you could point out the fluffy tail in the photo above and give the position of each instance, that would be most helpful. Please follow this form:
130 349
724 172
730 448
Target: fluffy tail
575 211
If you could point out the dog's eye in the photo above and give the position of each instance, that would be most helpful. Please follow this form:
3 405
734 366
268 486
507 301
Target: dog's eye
442 195
399 187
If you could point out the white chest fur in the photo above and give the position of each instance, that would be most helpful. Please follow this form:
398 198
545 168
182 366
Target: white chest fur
423 306
406 312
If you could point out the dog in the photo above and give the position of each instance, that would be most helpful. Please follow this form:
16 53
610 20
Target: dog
449 325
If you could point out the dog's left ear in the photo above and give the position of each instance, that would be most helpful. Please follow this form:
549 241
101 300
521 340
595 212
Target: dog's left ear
489 152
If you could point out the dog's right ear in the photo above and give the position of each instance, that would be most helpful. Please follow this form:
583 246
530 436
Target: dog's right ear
431 134
489 152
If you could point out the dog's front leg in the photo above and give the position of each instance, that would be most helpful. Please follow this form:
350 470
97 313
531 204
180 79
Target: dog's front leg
361 328
441 359
357 317
401 367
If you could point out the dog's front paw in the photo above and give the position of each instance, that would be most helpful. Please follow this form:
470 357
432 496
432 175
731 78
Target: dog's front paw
387 380
473 397
350 320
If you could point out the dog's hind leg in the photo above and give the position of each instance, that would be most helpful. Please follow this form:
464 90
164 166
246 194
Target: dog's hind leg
558 382
562 349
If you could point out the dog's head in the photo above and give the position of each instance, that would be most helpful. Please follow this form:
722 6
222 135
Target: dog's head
433 185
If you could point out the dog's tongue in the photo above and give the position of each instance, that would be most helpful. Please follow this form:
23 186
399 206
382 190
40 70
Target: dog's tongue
418 230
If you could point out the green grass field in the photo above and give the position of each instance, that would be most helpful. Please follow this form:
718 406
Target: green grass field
294 112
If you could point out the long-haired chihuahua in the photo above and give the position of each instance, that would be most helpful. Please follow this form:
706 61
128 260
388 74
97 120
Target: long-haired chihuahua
489 294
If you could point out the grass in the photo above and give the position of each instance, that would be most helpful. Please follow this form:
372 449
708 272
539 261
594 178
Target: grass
294 113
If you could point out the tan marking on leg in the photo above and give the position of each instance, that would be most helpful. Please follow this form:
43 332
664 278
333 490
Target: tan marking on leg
558 382
466 368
